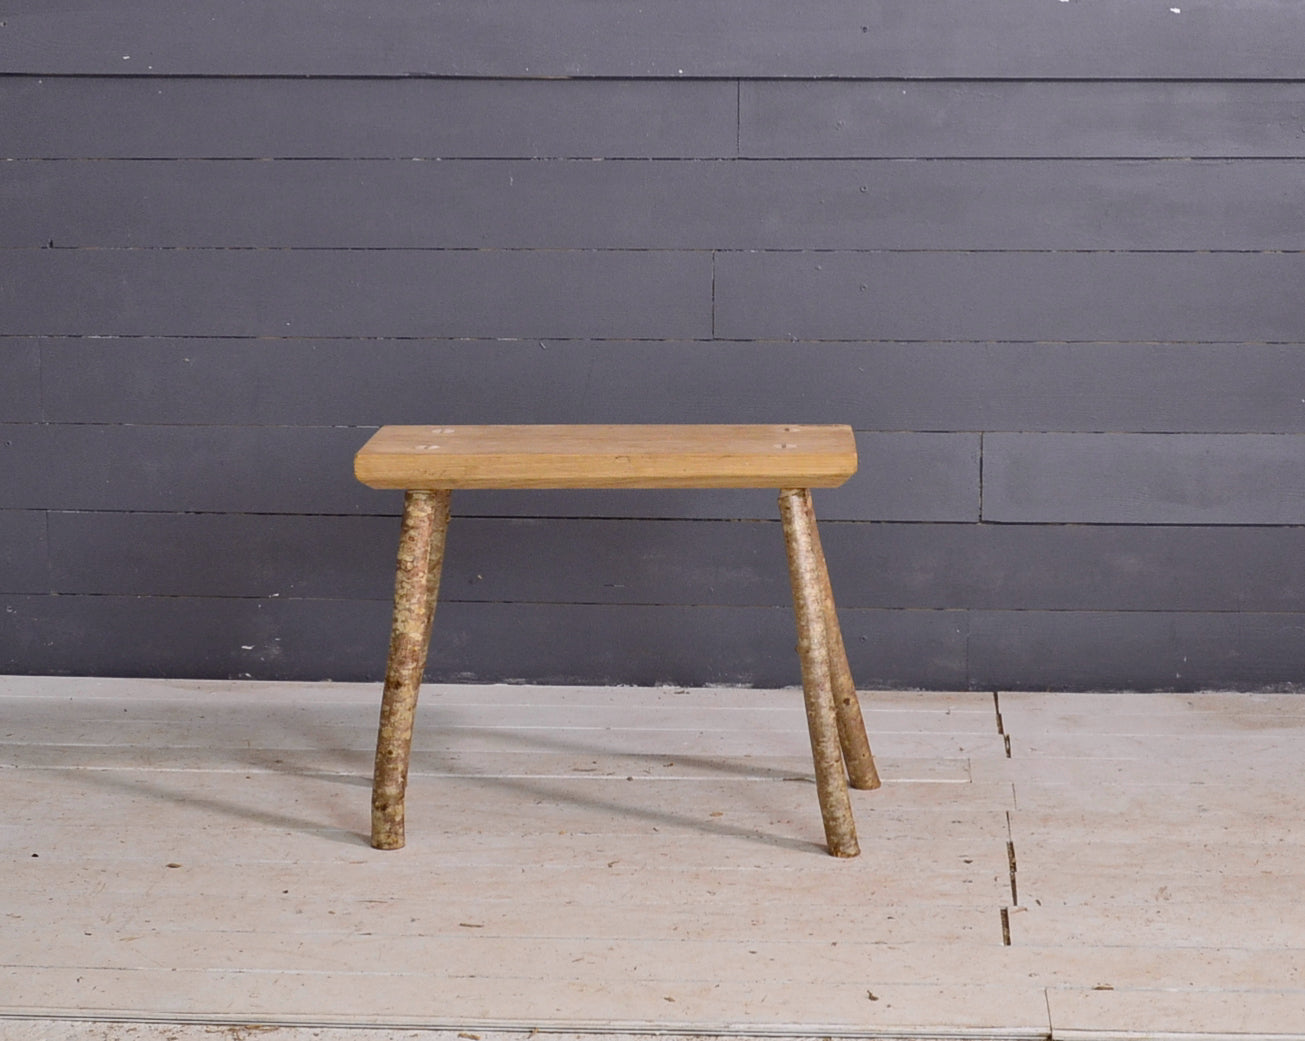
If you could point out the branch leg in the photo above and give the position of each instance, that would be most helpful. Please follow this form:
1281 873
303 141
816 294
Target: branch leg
817 687
416 588
851 726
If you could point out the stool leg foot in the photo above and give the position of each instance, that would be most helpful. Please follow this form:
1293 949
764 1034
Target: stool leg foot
817 686
851 725
416 588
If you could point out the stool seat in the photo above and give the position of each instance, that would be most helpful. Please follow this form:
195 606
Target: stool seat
430 462
597 456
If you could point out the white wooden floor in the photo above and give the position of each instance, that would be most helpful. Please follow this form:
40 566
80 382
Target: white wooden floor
183 855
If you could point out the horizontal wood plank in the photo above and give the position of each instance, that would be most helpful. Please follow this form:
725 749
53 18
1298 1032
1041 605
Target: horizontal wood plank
200 118
950 38
309 469
420 1001
939 387
366 292
1166 297
1151 714
1246 204
1162 924
1081 119
670 561
1163 1013
1023 650
24 557
20 391
188 468
963 705
1134 650
346 640
1144 478
267 118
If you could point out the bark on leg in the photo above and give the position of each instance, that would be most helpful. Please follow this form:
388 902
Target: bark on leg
817 690
851 726
416 588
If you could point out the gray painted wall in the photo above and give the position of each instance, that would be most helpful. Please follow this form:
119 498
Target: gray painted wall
1046 258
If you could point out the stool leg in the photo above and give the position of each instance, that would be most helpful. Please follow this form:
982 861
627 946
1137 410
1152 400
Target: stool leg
817 687
851 726
416 588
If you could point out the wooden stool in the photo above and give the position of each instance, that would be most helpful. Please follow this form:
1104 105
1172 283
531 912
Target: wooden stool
429 462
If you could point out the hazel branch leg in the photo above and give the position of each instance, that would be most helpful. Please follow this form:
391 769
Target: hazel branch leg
851 725
804 568
416 589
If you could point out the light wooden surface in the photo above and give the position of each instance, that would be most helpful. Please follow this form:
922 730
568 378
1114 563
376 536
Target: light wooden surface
631 860
611 456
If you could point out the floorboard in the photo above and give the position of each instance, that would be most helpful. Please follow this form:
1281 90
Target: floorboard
189 859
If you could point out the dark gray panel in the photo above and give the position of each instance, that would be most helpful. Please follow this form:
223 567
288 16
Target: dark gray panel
180 637
1020 119
879 38
256 469
229 555
356 292
873 386
20 387
1144 478
658 204
1031 650
921 477
1011 296
629 561
342 640
24 564
557 561
1067 567
134 118
310 470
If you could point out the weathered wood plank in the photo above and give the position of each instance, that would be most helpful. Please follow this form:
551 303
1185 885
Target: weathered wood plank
1170 1012
950 38
1163 924
1148 713
588 822
323 761
1248 204
443 744
1166 297
420 1000
132 690
46 722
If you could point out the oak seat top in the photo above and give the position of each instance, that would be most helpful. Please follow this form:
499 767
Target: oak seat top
608 456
